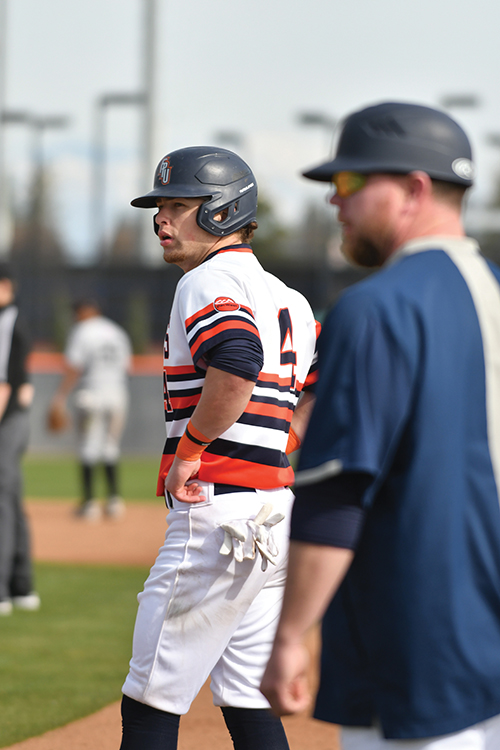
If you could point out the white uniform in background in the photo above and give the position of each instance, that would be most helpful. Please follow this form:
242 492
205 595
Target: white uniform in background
101 349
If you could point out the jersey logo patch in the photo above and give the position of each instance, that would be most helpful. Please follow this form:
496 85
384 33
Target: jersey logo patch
164 171
225 304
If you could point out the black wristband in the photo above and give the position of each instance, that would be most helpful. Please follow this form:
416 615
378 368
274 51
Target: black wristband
195 440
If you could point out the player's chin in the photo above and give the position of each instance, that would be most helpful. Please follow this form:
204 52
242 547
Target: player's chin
171 256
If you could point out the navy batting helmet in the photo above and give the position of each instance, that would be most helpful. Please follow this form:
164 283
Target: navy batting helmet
399 138
219 176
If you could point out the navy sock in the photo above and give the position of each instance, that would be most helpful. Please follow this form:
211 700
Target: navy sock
111 473
147 728
87 473
255 729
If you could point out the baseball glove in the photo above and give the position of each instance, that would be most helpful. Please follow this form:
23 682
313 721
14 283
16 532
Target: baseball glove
58 418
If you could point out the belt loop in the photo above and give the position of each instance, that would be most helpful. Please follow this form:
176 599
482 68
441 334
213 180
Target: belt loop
168 500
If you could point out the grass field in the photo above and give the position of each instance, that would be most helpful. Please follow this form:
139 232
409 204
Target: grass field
57 477
70 658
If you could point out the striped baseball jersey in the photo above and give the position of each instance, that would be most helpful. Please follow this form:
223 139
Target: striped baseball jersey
230 298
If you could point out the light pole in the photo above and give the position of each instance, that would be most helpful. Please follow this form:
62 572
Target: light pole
98 184
231 138
148 245
4 210
325 122
477 218
460 101
38 124
493 214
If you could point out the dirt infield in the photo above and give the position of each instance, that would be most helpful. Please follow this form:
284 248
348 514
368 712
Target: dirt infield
134 540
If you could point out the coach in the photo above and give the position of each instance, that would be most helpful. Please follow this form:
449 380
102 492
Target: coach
397 513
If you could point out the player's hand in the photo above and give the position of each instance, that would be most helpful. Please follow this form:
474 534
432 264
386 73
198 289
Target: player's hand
285 683
176 482
58 418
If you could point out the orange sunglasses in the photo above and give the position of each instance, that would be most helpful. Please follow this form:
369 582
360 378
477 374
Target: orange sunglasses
347 183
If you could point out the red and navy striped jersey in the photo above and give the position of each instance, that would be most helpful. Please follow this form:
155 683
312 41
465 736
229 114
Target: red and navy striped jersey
230 297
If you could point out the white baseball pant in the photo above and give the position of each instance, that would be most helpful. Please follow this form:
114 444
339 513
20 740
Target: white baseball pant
204 613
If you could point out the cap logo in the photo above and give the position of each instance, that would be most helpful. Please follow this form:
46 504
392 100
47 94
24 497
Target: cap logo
225 304
164 171
463 168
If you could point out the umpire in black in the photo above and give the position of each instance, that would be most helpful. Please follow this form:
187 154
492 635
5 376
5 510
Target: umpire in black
16 395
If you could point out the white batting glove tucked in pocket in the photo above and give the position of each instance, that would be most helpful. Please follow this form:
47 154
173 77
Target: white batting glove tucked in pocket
245 537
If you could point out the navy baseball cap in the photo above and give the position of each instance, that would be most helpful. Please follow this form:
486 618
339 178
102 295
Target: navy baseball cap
398 138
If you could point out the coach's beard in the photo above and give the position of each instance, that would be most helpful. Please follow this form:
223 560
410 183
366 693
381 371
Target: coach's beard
361 252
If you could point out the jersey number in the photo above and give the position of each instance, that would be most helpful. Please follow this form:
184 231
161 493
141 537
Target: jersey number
166 398
288 356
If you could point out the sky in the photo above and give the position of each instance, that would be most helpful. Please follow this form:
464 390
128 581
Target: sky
244 67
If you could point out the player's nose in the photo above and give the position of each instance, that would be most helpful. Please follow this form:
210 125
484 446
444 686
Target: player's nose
162 216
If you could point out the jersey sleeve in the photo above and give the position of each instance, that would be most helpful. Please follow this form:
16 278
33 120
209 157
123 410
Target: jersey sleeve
364 392
75 352
215 310
331 512
241 358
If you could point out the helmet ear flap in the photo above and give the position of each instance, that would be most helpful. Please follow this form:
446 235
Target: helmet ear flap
238 212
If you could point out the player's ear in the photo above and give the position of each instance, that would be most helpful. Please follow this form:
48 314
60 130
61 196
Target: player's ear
222 215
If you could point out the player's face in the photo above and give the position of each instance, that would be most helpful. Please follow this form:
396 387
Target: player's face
184 243
370 219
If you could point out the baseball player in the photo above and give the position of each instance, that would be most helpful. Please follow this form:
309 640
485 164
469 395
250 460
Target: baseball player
397 512
239 354
98 356
16 395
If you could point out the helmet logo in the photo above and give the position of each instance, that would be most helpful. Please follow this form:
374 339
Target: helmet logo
247 187
164 171
225 304
463 168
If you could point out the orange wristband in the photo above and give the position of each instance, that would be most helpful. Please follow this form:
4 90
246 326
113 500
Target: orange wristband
192 444
293 441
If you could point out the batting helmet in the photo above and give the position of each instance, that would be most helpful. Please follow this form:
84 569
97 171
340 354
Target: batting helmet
399 138
219 176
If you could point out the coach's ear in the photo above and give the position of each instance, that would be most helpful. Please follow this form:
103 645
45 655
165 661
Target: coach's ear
419 185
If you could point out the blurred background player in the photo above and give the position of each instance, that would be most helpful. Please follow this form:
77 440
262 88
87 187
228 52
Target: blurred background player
239 351
397 512
16 395
98 356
